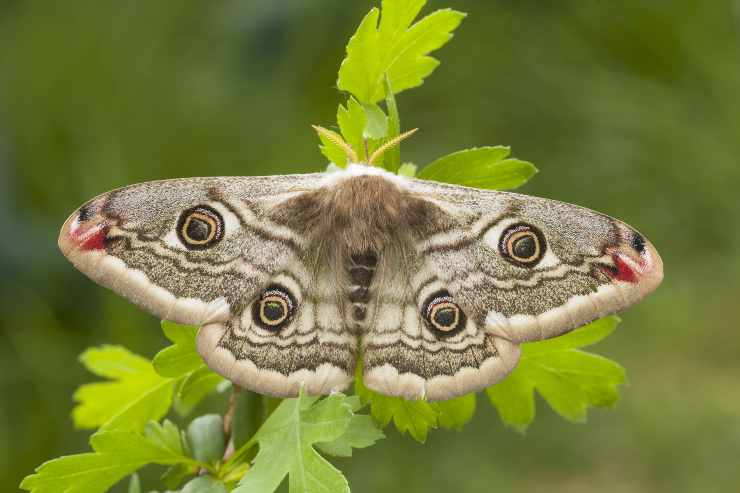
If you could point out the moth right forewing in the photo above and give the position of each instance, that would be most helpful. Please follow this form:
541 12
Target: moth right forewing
576 265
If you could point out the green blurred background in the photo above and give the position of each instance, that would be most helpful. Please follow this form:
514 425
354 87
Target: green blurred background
630 108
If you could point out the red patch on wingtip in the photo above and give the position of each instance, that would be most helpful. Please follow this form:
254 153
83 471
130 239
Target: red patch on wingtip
623 271
94 241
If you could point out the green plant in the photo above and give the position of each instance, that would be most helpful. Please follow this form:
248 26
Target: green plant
257 442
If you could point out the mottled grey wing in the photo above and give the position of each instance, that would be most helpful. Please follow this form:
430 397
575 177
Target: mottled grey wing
585 265
204 251
503 269
406 355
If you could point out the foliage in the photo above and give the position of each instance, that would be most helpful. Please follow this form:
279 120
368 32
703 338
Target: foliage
116 454
258 443
570 380
287 441
395 49
482 167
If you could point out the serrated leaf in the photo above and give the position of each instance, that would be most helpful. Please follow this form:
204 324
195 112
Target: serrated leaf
570 380
352 120
394 47
480 167
413 417
116 455
165 435
514 398
455 413
196 386
287 440
136 395
361 433
181 357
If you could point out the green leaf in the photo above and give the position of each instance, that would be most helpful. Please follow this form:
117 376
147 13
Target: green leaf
135 395
116 455
414 417
394 47
180 358
480 167
407 169
514 398
455 413
249 413
206 438
361 433
352 120
570 380
376 126
166 435
205 484
196 386
286 446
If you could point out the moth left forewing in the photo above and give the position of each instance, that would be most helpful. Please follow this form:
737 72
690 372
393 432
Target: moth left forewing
189 250
527 268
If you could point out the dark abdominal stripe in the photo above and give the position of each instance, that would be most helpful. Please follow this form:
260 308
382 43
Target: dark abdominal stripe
361 270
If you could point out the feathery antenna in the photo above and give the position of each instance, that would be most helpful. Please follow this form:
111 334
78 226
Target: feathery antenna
391 143
338 140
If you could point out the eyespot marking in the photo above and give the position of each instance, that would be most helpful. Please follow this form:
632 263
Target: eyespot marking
200 227
442 315
274 309
523 245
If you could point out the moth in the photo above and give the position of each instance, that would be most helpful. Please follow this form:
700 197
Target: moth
293 279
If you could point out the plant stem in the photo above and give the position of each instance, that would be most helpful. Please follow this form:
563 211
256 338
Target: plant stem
392 159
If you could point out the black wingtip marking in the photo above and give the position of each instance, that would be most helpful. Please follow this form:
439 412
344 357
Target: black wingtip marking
85 213
638 242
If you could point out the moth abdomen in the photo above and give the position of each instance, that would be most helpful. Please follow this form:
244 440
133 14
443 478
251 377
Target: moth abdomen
361 271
